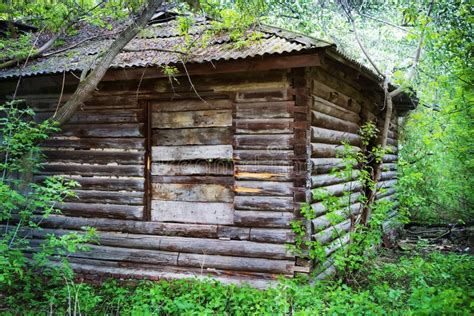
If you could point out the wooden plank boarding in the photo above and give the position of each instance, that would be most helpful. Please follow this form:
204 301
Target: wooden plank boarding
192 192
193 119
176 153
192 168
192 136
192 212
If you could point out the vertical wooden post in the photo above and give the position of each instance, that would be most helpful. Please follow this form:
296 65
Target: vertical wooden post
300 83
148 143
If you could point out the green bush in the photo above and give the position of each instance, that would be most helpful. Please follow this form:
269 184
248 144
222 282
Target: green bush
31 261
435 284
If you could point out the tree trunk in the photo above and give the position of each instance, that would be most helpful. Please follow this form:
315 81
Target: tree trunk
87 86
378 166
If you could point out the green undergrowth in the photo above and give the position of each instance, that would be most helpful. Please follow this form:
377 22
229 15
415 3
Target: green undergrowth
433 284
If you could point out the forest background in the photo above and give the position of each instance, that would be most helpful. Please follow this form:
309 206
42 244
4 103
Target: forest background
436 163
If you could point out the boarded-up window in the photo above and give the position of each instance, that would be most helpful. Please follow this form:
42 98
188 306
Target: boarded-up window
192 170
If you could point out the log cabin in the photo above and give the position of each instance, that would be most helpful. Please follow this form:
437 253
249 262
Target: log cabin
199 171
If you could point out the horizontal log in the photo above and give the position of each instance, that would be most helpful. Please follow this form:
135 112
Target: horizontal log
389 166
102 210
128 255
191 105
326 121
192 212
335 217
86 143
264 110
185 168
232 232
236 263
263 126
184 244
263 219
326 107
390 158
319 150
387 175
369 114
252 66
263 172
389 198
193 179
271 80
131 226
192 192
392 142
320 208
386 192
328 179
391 149
336 244
108 197
263 188
192 119
269 142
327 273
323 135
332 232
102 130
263 203
93 116
334 96
271 235
275 91
138 271
393 134
91 170
339 189
351 75
106 184
192 136
255 155
331 80
175 153
95 156
386 184
325 165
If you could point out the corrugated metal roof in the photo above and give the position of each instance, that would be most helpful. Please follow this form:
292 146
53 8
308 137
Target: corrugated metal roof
161 44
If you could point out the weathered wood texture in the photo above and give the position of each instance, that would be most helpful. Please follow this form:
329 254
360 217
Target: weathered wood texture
225 172
224 161
192 138
340 106
219 172
102 148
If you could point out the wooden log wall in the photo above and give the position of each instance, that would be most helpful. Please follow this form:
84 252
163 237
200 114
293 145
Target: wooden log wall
181 185
103 149
388 176
341 103
219 168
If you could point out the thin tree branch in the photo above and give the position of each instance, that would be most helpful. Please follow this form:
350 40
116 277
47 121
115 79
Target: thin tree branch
133 50
77 44
86 87
348 13
383 22
416 58
40 50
